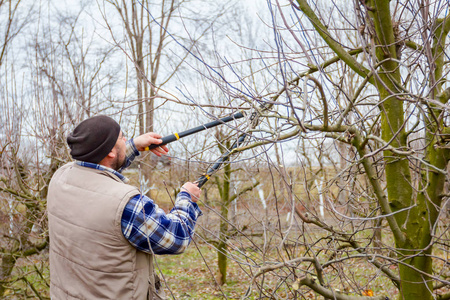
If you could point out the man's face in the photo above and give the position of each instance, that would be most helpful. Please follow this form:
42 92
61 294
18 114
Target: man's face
120 148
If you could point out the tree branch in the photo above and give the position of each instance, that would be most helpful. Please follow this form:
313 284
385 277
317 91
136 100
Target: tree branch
311 283
335 46
324 101
245 190
444 96
381 196
443 297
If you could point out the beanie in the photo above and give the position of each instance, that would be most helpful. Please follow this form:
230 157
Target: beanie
93 139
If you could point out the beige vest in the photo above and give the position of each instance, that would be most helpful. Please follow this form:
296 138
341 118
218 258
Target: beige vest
89 256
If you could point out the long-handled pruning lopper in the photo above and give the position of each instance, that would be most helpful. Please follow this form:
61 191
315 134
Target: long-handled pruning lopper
225 156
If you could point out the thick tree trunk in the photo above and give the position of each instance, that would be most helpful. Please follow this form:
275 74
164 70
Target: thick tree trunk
223 235
6 267
422 218
414 283
222 261
225 197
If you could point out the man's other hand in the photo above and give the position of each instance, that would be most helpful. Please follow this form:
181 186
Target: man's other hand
150 138
192 189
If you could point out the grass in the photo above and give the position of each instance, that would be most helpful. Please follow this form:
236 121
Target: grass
192 274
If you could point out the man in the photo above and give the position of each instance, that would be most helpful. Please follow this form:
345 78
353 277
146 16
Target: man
103 232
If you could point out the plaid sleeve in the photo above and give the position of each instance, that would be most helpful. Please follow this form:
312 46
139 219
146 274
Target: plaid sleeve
150 229
131 153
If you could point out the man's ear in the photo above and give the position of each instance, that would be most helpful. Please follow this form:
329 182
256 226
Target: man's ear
111 154
108 159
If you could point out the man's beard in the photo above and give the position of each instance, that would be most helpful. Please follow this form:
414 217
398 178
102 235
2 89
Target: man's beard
118 163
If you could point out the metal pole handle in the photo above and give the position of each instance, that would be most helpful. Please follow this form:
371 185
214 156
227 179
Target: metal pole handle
176 136
220 161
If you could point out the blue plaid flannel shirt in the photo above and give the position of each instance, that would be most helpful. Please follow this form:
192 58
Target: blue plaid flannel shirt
146 226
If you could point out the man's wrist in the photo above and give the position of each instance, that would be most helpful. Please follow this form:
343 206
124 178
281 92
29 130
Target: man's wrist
130 155
184 199
132 151
184 194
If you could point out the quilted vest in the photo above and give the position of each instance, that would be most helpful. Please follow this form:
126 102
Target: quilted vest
89 256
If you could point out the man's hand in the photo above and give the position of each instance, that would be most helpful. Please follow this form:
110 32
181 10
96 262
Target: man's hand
192 189
150 138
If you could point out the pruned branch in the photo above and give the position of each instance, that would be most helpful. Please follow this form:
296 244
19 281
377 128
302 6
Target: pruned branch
327 293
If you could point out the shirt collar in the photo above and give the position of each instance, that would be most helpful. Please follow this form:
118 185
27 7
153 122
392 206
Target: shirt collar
101 168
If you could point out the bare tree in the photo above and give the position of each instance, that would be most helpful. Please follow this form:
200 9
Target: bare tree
12 23
65 82
398 52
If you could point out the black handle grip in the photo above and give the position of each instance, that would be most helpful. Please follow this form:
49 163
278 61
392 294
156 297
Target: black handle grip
165 140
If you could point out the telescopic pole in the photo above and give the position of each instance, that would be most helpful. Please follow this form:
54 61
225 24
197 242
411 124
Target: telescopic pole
178 135
221 160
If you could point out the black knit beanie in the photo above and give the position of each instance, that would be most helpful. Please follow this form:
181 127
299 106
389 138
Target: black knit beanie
93 139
